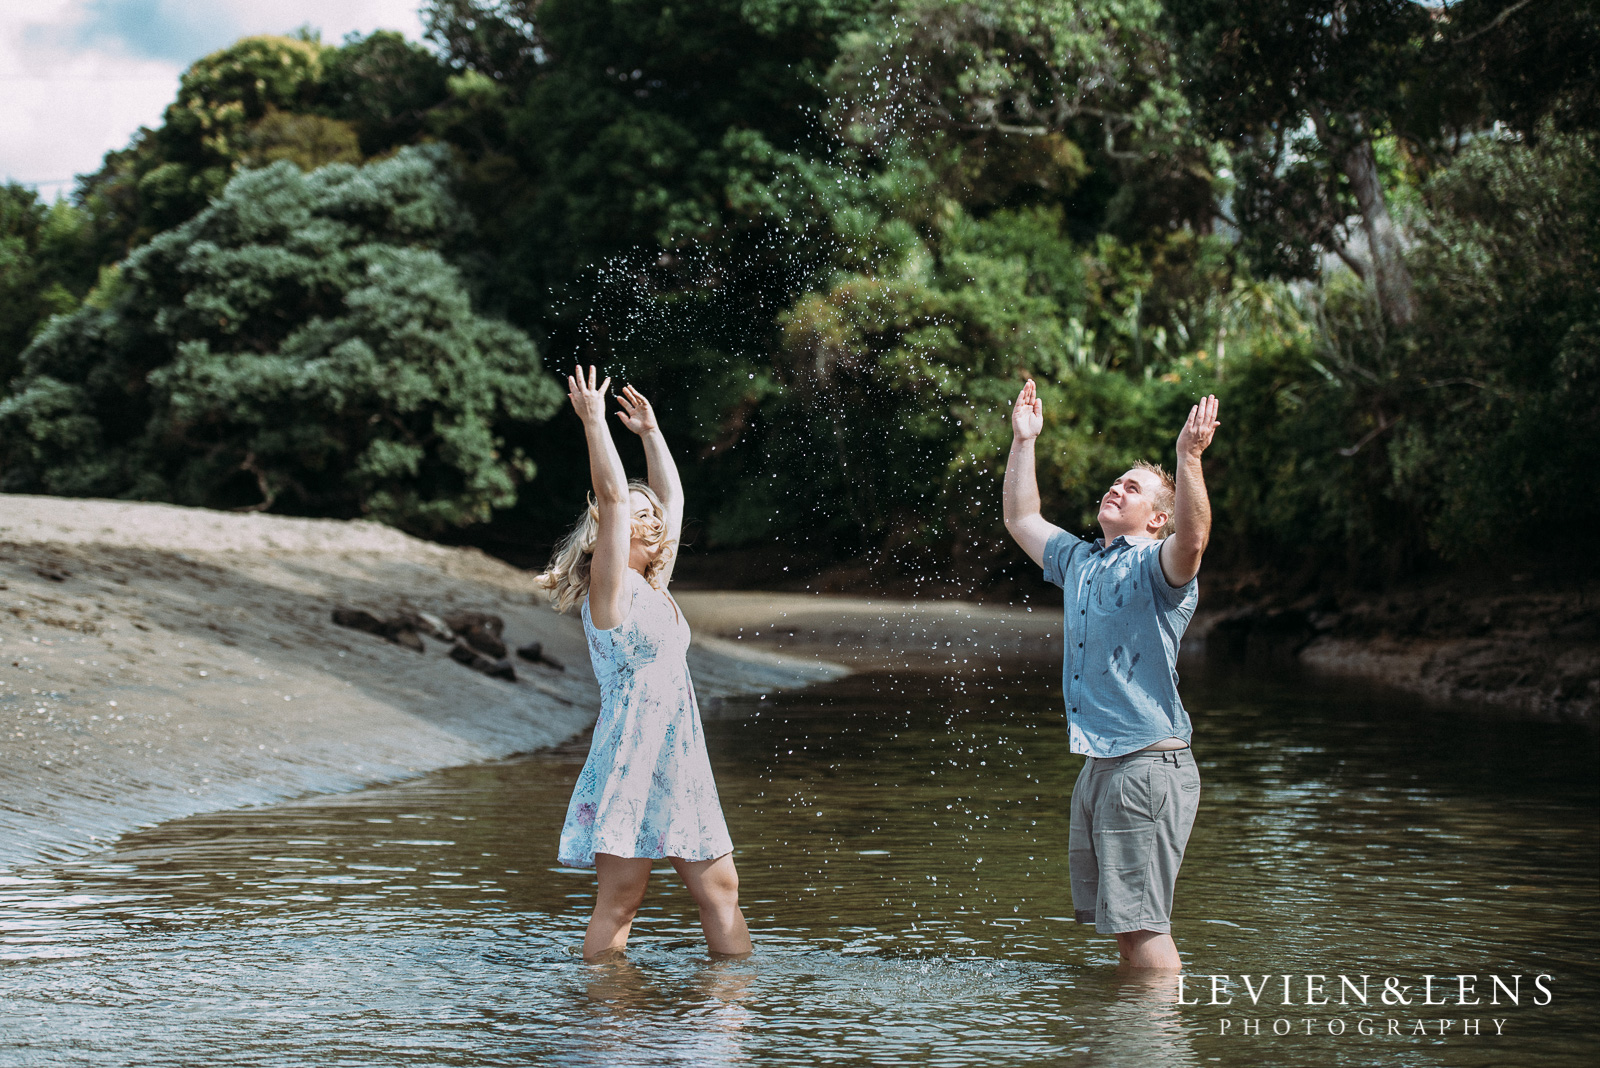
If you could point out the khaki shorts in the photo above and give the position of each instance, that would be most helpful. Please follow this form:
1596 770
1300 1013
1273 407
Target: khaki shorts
1131 818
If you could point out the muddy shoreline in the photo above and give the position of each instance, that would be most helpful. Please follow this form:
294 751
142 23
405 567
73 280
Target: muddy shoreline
157 662
1513 645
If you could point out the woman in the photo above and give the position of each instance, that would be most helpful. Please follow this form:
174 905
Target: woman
646 790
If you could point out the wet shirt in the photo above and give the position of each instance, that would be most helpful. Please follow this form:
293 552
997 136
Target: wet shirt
1123 625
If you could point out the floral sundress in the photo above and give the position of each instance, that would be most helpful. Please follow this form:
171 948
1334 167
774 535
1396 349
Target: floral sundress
646 788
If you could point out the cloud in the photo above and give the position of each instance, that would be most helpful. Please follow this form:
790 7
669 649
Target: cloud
79 77
182 31
176 31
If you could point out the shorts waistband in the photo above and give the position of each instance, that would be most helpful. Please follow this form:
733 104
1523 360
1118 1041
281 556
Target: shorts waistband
1166 756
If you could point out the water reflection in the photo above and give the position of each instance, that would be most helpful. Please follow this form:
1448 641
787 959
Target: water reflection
1142 1011
902 843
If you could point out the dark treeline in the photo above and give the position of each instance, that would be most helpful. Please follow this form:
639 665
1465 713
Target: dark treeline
830 238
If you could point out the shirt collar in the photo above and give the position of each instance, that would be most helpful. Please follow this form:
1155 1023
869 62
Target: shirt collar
1121 541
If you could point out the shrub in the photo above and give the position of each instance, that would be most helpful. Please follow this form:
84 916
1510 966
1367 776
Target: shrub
303 345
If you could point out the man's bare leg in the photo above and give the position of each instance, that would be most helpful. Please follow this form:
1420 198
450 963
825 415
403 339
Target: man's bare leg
1149 949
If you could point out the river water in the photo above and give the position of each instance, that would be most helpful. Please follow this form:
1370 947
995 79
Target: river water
901 840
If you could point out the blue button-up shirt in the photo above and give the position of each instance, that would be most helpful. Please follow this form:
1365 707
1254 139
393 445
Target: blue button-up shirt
1123 625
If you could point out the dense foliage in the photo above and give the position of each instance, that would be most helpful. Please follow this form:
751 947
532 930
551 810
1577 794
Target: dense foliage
46 267
831 239
300 342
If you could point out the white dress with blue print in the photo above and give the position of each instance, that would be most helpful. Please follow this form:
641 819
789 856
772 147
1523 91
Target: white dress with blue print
646 789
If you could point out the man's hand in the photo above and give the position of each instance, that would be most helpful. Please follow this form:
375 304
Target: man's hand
1021 495
588 400
636 414
1181 553
1027 418
1198 429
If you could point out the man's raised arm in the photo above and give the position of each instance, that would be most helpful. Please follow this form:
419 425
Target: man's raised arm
1181 552
1030 529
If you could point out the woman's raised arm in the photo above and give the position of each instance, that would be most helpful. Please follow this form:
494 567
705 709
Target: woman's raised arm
608 566
639 417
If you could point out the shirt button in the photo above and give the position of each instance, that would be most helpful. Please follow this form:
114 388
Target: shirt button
1074 678
1080 645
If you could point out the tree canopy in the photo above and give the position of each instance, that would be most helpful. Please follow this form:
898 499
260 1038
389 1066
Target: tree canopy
831 239
302 341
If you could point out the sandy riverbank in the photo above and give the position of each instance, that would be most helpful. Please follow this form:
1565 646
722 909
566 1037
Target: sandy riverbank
158 661
162 661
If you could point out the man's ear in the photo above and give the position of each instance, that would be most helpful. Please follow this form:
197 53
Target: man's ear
1157 521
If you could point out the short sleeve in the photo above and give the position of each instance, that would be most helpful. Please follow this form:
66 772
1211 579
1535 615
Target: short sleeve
1170 595
1057 554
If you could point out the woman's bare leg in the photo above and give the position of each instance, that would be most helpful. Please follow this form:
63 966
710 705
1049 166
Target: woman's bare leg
714 885
622 886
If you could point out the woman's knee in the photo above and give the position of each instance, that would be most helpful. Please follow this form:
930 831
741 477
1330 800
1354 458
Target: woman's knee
718 886
622 889
625 897
617 911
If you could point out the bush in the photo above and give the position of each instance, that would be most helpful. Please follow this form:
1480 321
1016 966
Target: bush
1348 443
301 345
1505 379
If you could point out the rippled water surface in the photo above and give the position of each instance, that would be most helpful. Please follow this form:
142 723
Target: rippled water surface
902 845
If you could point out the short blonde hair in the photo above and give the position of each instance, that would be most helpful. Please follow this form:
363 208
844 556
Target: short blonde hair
567 576
1166 498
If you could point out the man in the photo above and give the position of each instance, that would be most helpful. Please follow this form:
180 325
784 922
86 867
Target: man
1129 597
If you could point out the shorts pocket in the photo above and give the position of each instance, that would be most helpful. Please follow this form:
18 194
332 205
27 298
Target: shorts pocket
1124 857
1142 791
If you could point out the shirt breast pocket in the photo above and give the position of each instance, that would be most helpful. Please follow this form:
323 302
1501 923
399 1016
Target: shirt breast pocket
1117 586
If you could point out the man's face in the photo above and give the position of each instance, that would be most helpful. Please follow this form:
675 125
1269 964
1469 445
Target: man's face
1129 506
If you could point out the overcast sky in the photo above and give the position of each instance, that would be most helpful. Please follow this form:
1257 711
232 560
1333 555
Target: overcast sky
78 77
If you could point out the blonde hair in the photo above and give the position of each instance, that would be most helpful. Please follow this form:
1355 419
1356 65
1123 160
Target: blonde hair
567 576
1166 497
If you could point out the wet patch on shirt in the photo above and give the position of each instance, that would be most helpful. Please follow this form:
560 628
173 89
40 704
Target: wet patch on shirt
1118 655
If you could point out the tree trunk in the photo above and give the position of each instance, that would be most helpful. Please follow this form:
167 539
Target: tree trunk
1396 295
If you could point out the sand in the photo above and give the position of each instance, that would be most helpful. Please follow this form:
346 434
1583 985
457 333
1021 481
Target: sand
158 661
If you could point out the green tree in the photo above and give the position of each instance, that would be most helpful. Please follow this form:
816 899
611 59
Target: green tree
167 175
384 87
898 379
656 124
1525 60
1013 101
257 101
302 344
1504 385
983 223
804 248
649 168
1302 90
1378 452
46 267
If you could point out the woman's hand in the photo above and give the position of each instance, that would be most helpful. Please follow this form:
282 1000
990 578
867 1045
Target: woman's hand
636 414
588 400
1027 418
